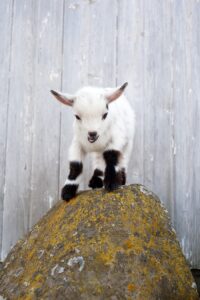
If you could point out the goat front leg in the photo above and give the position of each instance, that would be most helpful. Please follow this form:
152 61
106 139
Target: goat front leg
113 175
75 171
98 166
115 158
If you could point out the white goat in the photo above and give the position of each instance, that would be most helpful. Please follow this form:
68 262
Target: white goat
102 126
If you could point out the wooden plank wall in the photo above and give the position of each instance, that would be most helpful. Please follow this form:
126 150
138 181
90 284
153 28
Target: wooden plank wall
65 44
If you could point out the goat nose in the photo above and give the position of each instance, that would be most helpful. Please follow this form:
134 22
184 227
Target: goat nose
92 134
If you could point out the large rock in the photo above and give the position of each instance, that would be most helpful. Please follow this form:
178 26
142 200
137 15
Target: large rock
117 245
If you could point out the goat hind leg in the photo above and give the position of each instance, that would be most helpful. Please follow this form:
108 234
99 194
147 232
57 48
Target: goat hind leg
124 162
116 166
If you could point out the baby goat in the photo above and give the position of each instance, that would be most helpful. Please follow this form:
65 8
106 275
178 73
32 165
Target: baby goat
104 127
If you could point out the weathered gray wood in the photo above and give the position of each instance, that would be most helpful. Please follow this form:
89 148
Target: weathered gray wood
158 106
154 45
164 151
6 10
130 67
102 55
194 210
186 72
46 123
19 131
139 36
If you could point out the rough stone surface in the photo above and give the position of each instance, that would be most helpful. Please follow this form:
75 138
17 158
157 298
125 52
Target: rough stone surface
100 245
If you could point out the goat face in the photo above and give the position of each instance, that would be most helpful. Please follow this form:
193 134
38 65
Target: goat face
91 113
91 110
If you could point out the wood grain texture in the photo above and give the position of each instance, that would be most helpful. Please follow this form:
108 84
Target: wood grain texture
194 211
186 115
155 46
158 102
130 68
19 133
6 11
46 123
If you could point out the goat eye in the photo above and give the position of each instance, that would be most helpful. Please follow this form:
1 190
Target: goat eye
104 116
77 117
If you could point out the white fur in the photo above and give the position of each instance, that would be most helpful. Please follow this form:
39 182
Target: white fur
116 132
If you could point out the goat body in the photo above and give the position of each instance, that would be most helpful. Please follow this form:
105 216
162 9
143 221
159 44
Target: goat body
104 125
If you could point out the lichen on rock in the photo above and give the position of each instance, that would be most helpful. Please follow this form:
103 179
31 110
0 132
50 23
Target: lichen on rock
117 245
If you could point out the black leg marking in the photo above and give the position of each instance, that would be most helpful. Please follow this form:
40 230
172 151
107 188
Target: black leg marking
123 174
96 181
111 157
121 177
70 189
75 169
111 179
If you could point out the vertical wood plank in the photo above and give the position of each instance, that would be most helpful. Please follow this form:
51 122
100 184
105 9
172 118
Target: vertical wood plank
149 87
130 67
164 152
194 94
186 99
46 123
6 10
102 55
158 102
19 132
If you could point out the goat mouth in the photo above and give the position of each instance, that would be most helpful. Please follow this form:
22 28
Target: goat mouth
92 139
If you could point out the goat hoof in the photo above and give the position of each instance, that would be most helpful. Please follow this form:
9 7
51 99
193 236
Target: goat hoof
96 182
69 191
111 186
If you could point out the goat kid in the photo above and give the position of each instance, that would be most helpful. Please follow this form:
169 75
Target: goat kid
104 125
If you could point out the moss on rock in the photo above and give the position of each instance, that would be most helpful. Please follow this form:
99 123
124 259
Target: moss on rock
100 245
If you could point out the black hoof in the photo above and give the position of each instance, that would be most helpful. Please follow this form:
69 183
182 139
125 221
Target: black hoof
96 182
69 191
121 177
111 186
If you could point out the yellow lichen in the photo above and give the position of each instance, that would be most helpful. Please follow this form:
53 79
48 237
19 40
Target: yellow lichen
131 287
126 230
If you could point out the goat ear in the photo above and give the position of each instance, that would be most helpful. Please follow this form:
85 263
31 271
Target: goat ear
114 94
64 98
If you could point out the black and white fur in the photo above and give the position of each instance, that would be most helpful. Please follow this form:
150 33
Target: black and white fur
104 125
